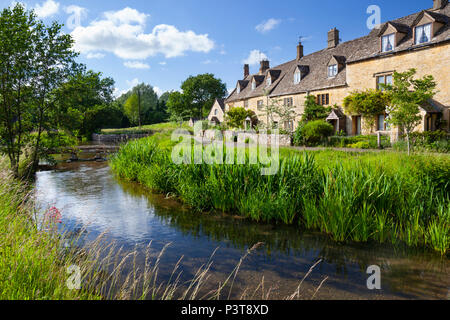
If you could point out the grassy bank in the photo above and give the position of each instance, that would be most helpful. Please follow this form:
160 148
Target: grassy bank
352 197
31 264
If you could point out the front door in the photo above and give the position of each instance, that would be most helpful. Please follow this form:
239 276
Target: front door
357 125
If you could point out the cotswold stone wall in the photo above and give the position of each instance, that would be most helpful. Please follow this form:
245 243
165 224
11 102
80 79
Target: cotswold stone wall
241 137
117 138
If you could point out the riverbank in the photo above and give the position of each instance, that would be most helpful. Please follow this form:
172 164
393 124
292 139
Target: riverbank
32 266
383 197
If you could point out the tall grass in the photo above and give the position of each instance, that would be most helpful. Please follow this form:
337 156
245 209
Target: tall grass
376 197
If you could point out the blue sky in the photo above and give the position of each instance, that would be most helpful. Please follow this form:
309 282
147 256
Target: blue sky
162 42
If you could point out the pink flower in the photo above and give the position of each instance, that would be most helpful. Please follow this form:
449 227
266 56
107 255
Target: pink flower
53 215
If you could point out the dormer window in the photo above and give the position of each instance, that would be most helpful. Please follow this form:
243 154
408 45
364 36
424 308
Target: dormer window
238 89
297 77
423 33
388 43
253 84
269 81
332 71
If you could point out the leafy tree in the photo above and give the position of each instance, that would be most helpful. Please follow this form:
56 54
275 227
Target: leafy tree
235 117
139 104
160 114
314 111
84 104
368 103
407 95
201 91
178 108
34 61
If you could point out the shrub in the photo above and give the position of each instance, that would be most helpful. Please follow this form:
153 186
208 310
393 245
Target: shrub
298 135
316 131
360 145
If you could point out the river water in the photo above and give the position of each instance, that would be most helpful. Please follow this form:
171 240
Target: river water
90 197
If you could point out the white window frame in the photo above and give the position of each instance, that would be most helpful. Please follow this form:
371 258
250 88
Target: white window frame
390 38
420 32
297 77
253 84
269 81
332 71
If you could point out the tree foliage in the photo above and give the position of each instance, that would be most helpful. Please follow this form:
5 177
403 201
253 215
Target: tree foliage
368 103
34 61
314 111
197 99
235 117
407 95
84 104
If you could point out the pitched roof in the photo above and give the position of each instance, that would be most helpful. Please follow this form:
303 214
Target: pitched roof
221 103
367 47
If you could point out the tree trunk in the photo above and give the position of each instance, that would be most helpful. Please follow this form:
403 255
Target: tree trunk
409 144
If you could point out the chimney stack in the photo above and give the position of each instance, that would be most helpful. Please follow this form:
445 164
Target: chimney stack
333 38
265 65
246 70
299 51
439 4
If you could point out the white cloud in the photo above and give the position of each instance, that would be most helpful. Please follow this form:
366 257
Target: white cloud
158 91
126 16
122 33
136 65
47 9
255 57
268 25
130 84
163 63
94 55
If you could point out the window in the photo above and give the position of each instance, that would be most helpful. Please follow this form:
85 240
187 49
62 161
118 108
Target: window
238 89
288 102
215 112
289 125
253 84
323 99
381 122
358 122
332 71
423 34
260 105
388 43
269 81
297 77
386 79
275 124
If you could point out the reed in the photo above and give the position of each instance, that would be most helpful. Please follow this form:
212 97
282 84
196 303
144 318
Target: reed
352 197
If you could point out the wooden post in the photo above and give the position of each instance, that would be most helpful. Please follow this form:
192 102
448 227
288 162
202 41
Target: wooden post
379 139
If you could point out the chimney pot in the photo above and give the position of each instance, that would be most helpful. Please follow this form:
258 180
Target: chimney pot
439 4
246 70
333 38
265 65
299 51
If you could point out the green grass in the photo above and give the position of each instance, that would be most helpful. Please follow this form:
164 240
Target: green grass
350 196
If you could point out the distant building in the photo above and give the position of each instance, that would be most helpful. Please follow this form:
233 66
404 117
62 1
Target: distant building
217 114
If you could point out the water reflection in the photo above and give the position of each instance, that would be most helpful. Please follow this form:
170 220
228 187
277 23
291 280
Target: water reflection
89 196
